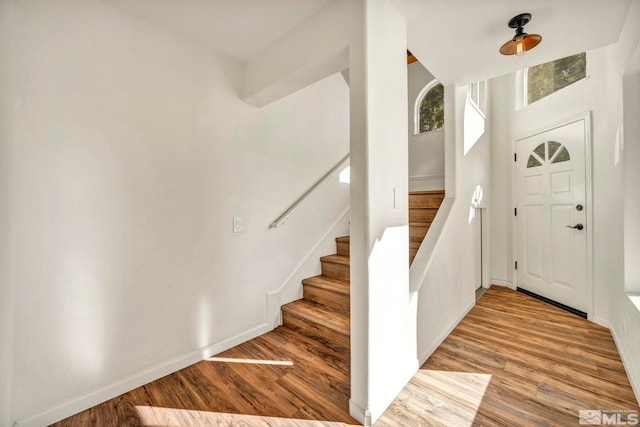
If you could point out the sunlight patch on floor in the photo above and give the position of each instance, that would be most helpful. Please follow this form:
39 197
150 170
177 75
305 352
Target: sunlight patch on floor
170 417
251 361
449 398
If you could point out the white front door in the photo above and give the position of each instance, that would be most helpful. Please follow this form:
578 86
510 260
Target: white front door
551 219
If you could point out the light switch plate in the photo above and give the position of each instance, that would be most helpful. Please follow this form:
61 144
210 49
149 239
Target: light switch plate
237 225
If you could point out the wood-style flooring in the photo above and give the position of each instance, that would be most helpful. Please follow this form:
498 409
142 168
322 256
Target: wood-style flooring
512 361
515 361
287 380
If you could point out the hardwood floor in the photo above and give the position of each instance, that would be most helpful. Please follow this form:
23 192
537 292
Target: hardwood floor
288 380
512 361
515 361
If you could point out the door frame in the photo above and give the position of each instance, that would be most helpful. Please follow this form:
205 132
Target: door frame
588 151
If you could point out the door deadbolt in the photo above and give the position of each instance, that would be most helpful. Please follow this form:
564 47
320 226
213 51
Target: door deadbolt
579 208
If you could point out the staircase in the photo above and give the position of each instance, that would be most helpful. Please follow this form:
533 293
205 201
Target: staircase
323 312
423 206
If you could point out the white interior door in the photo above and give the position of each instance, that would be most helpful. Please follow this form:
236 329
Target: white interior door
550 199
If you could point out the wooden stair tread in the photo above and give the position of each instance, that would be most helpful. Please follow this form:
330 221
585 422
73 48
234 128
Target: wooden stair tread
336 259
343 239
420 223
320 314
423 208
334 285
424 203
422 214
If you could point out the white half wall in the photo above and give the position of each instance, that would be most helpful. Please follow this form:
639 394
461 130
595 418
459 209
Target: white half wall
443 272
134 152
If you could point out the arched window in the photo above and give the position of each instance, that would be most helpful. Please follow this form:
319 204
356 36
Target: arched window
548 152
429 109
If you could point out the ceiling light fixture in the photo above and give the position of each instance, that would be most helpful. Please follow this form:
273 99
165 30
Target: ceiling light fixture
521 42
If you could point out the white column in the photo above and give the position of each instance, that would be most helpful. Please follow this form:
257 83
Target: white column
383 340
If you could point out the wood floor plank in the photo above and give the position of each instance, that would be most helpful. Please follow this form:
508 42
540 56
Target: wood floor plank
540 364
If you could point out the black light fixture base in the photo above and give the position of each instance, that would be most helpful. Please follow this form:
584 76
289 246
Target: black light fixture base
521 41
520 20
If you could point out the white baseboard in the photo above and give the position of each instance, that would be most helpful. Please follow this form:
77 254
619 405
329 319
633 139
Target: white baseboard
634 386
502 283
600 321
359 413
423 358
77 404
274 314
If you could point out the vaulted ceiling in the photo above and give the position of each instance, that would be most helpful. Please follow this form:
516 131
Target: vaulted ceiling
457 40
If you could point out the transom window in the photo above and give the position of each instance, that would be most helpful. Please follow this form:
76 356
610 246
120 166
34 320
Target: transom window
478 95
430 108
545 79
548 152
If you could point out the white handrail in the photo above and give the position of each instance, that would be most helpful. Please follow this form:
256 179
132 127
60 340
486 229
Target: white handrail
282 218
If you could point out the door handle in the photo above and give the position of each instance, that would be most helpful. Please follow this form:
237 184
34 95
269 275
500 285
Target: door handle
577 226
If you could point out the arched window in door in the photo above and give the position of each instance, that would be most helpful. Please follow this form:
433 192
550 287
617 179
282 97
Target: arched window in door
548 152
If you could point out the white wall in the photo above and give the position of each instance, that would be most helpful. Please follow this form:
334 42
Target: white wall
443 272
426 150
6 237
134 154
624 316
632 181
502 100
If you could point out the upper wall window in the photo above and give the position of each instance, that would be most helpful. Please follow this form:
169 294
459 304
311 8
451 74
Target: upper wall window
478 95
545 79
430 108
